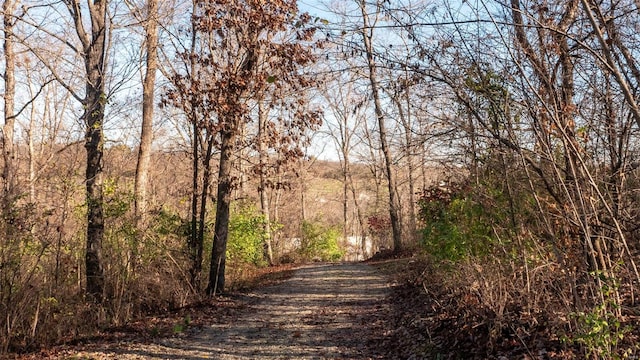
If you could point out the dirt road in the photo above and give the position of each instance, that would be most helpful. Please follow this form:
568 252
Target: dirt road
325 311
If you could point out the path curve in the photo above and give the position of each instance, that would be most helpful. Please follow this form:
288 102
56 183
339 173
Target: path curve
324 311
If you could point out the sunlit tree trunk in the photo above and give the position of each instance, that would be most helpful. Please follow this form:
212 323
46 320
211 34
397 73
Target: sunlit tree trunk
32 147
275 197
374 166
8 172
356 203
146 134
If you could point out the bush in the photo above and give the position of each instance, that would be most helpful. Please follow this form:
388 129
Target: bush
319 243
456 226
246 236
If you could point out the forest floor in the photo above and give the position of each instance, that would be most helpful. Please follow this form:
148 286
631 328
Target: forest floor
387 308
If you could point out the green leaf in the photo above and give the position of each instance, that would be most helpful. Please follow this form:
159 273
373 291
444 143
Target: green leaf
271 79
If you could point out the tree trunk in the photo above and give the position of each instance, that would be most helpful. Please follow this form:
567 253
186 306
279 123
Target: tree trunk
354 194
405 120
303 190
262 187
202 219
423 166
94 50
276 196
240 189
221 231
8 172
195 266
146 135
413 224
32 159
268 246
32 146
362 233
373 167
386 151
345 200
93 175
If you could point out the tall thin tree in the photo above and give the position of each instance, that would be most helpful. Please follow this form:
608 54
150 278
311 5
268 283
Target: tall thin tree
94 49
149 18
8 172
146 134
394 204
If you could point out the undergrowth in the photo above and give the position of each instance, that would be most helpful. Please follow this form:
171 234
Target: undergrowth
493 290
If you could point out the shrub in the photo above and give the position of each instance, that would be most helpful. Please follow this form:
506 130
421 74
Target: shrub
246 236
319 242
380 230
599 329
455 225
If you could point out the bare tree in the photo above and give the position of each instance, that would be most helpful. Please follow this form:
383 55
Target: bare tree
93 51
400 95
394 204
348 114
614 64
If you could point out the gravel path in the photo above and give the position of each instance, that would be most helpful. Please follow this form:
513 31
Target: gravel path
322 312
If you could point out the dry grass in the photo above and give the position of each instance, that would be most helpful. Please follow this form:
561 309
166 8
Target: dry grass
482 311
158 322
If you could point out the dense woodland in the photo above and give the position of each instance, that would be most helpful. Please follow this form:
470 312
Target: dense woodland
157 152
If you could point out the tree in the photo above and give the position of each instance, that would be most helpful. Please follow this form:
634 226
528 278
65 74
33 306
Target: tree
262 186
241 49
605 25
546 106
8 173
349 111
88 43
400 96
394 204
146 134
201 137
93 50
